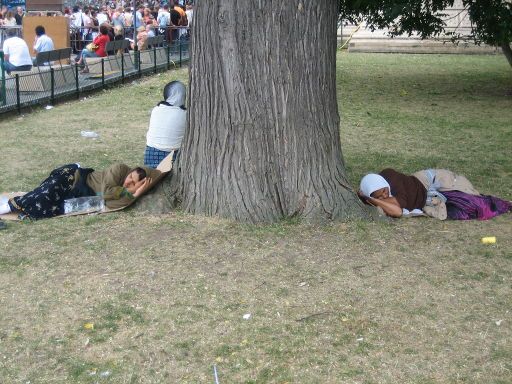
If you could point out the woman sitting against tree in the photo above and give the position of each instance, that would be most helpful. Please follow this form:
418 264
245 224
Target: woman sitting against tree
437 193
119 185
166 125
95 49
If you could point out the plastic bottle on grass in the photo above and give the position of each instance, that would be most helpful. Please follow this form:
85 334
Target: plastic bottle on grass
86 204
90 134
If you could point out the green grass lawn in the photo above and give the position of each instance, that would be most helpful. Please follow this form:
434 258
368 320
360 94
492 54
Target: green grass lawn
139 298
421 111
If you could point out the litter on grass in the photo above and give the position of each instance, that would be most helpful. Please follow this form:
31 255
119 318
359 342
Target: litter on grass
89 325
90 134
489 240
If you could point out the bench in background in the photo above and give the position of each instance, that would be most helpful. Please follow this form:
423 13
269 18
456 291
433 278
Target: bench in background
38 79
112 63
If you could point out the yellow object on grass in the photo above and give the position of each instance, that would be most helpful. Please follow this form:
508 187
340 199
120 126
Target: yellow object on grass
489 240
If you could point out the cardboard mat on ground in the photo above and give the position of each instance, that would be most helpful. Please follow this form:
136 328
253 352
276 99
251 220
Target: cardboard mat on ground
164 167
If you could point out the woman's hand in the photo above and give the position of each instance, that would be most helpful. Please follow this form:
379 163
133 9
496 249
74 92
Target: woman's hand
364 199
389 205
133 189
146 182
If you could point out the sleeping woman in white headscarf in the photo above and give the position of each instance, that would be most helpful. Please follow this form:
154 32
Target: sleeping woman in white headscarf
167 125
438 193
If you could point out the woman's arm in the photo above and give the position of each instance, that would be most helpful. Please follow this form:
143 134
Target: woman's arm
389 205
142 187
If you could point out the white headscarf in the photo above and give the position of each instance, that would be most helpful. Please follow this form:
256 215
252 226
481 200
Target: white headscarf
371 183
175 93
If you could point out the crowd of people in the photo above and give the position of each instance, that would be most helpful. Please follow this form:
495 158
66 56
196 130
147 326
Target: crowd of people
171 13
92 27
147 20
10 17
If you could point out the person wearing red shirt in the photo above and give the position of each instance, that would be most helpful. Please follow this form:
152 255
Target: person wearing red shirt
100 42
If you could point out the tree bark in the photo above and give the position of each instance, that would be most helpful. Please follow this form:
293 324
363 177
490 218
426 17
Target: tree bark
163 198
263 138
507 51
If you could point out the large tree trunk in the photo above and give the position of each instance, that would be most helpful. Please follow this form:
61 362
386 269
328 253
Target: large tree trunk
507 51
263 141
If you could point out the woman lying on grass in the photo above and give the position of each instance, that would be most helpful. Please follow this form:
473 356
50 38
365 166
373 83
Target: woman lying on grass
437 193
119 185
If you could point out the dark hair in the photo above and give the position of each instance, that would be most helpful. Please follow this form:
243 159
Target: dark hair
40 30
76 9
140 172
103 29
175 17
11 32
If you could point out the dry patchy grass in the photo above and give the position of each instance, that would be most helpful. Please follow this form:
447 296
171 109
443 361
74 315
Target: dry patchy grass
410 301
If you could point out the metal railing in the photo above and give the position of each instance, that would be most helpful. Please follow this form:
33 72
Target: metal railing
3 29
46 84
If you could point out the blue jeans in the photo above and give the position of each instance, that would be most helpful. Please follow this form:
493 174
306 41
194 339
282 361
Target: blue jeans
10 67
86 53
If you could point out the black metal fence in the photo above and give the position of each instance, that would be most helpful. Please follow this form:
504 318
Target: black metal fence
46 84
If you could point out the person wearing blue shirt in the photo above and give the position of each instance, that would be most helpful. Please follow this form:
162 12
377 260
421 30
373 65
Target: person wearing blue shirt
42 43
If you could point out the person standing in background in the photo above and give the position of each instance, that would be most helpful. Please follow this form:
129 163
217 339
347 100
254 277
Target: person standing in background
19 15
9 20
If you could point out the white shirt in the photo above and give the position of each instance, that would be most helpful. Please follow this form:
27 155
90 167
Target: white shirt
78 20
18 52
163 19
102 18
87 21
10 22
190 14
43 44
166 128
128 19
